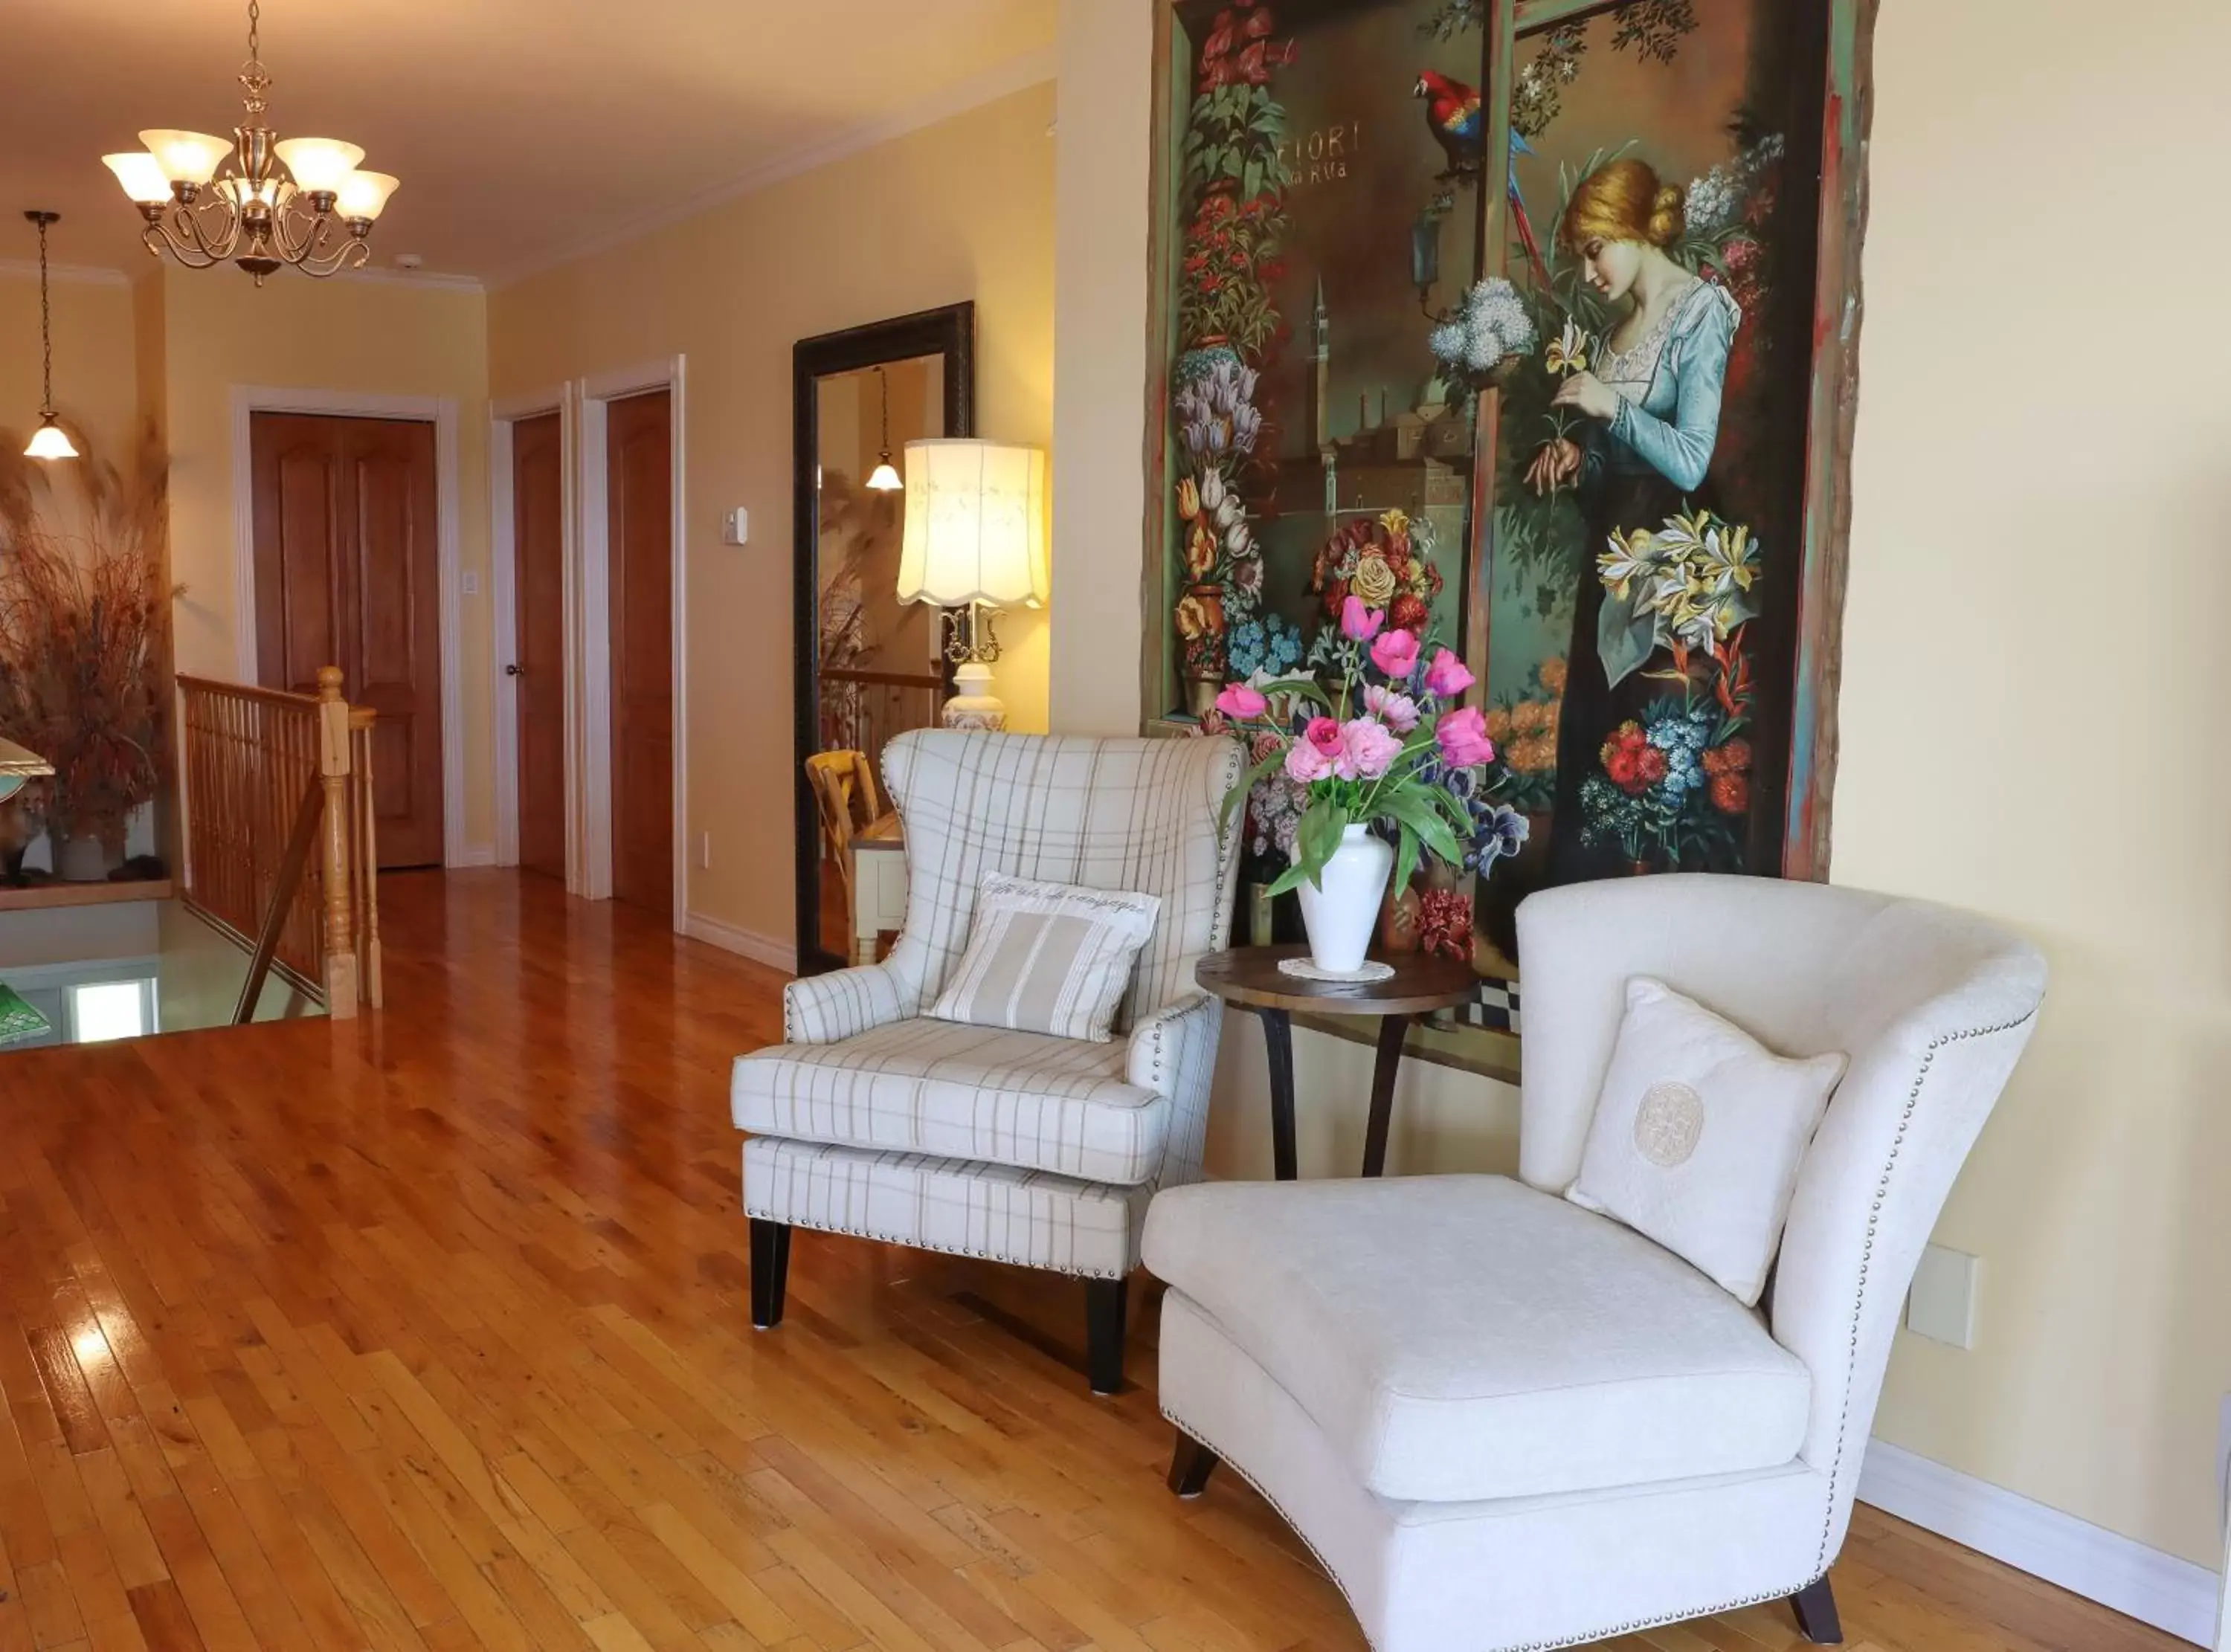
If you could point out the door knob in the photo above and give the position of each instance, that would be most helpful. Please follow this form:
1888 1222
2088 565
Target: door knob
515 671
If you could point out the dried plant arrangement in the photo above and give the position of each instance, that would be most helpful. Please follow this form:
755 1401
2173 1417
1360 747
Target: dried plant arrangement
83 619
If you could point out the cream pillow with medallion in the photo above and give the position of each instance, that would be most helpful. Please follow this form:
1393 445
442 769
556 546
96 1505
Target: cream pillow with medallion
1698 1134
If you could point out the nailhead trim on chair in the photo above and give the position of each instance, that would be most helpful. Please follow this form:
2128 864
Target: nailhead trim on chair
1348 1595
917 1244
1867 1252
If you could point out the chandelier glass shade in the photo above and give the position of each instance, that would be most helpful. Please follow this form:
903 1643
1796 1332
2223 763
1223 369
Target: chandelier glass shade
262 202
49 440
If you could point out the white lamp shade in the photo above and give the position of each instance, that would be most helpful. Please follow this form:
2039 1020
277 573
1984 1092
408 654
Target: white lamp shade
364 194
975 524
141 175
49 441
186 156
319 164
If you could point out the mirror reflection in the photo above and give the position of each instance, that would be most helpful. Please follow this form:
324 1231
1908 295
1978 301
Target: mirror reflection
880 668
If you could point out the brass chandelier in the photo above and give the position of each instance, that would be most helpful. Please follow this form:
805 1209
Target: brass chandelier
263 202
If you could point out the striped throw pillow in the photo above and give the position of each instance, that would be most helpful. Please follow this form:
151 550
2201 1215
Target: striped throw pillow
1047 958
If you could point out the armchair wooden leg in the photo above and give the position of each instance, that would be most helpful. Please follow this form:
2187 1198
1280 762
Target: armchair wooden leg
770 1272
1190 1464
1105 1301
1815 1606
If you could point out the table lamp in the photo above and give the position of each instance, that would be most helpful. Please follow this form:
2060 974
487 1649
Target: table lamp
974 539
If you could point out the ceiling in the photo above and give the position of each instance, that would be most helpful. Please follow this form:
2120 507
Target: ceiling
523 130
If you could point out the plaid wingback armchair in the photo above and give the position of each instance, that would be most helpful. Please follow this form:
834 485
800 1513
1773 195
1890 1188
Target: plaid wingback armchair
1043 1152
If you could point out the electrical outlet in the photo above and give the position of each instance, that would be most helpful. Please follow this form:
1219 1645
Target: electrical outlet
1942 1304
705 850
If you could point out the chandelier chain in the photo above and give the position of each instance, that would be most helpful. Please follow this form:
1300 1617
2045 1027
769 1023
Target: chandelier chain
252 75
46 332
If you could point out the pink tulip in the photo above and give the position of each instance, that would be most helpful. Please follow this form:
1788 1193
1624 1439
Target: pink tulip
1359 623
1395 652
1463 736
1368 748
1447 676
1242 703
1398 711
1305 763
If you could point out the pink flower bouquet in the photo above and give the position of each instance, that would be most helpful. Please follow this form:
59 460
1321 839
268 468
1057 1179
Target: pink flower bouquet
1380 744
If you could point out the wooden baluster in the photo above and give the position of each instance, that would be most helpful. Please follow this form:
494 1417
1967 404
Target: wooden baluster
334 767
367 856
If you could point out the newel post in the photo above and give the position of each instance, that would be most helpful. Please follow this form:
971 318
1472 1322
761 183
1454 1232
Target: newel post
333 770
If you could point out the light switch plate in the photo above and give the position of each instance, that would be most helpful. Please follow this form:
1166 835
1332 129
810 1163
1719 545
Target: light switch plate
472 584
1942 1304
736 526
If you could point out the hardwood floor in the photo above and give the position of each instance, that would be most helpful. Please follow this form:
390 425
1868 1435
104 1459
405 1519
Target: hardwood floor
428 1331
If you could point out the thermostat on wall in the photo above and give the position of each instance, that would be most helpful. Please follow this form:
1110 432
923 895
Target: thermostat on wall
736 527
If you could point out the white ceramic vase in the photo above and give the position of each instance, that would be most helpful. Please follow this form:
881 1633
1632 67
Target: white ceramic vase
1341 912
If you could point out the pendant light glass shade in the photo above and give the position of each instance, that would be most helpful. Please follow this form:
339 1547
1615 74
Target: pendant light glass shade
141 175
49 440
364 194
319 164
186 156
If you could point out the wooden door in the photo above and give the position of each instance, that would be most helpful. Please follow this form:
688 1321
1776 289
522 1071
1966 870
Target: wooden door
639 482
538 661
347 573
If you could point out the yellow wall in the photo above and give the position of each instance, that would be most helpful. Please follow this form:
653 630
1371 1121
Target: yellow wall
962 210
93 383
2030 697
218 330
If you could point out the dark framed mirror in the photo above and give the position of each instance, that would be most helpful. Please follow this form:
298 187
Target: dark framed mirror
866 666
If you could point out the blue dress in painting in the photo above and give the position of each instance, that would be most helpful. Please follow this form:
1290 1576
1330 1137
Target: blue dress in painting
1648 461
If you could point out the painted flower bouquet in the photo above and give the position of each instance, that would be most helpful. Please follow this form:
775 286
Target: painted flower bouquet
1490 327
1669 790
1387 744
1385 562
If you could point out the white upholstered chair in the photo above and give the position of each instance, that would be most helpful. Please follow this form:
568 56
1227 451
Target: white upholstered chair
1502 1421
1043 1152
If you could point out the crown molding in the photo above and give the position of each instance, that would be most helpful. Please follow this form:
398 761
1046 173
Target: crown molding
64 274
1001 80
389 277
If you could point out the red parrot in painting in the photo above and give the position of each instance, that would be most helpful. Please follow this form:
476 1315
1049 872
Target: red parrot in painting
1459 126
1453 116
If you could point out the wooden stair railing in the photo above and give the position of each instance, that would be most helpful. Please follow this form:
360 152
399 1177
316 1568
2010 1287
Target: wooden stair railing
279 848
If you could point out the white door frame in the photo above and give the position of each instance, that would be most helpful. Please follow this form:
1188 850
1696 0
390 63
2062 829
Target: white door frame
595 392
503 561
440 411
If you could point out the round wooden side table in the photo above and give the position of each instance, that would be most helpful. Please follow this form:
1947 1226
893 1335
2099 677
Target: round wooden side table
1248 977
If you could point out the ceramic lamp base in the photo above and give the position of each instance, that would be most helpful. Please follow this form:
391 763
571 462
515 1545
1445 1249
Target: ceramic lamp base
975 706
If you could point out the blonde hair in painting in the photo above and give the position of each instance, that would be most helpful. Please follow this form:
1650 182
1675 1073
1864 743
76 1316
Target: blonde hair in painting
1622 200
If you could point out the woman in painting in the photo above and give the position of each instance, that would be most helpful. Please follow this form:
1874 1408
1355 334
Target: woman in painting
1651 413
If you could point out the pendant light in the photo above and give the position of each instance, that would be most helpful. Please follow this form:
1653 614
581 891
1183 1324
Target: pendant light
48 441
885 479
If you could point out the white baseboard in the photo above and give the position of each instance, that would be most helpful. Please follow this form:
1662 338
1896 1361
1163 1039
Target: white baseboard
745 943
474 854
2163 1590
